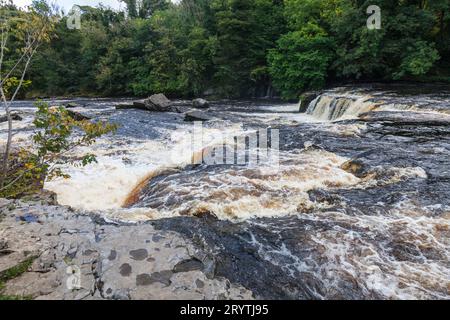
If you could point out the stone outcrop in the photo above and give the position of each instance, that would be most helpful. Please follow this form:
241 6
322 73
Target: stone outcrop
306 98
72 105
77 115
356 167
192 116
155 103
405 118
14 116
158 102
200 103
125 106
81 256
140 105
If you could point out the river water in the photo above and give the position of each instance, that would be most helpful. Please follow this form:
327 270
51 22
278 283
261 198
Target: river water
357 205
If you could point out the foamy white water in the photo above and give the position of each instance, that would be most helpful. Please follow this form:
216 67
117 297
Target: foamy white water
263 191
106 185
331 106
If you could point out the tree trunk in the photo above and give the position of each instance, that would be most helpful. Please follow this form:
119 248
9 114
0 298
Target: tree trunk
5 160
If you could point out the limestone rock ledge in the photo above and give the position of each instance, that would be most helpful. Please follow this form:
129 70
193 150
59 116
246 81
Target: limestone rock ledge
111 260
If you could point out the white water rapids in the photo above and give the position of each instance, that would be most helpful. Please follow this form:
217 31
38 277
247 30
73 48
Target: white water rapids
354 249
123 164
106 185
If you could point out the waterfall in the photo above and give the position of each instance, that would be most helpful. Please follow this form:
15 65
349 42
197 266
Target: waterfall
330 106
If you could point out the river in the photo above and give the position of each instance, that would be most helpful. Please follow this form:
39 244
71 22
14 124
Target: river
357 205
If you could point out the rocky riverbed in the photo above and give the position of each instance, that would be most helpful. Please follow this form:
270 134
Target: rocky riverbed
358 207
81 256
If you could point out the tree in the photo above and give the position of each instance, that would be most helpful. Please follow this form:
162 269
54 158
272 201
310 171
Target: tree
303 56
246 30
144 8
300 62
31 29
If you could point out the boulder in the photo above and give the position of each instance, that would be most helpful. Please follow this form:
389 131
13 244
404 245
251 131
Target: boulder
156 103
200 103
196 116
71 105
159 103
306 98
14 116
357 167
324 196
77 116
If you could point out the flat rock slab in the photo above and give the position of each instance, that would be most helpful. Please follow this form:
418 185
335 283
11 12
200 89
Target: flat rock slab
134 105
407 118
192 116
77 115
80 256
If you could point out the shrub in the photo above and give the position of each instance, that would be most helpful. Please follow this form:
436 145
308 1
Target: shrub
58 133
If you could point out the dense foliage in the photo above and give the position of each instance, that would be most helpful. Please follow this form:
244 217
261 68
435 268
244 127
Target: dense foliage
238 48
329 40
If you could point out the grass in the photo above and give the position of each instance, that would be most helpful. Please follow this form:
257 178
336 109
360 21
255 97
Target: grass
14 298
13 273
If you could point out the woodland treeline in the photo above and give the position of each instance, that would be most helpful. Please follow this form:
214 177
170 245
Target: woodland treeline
241 48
